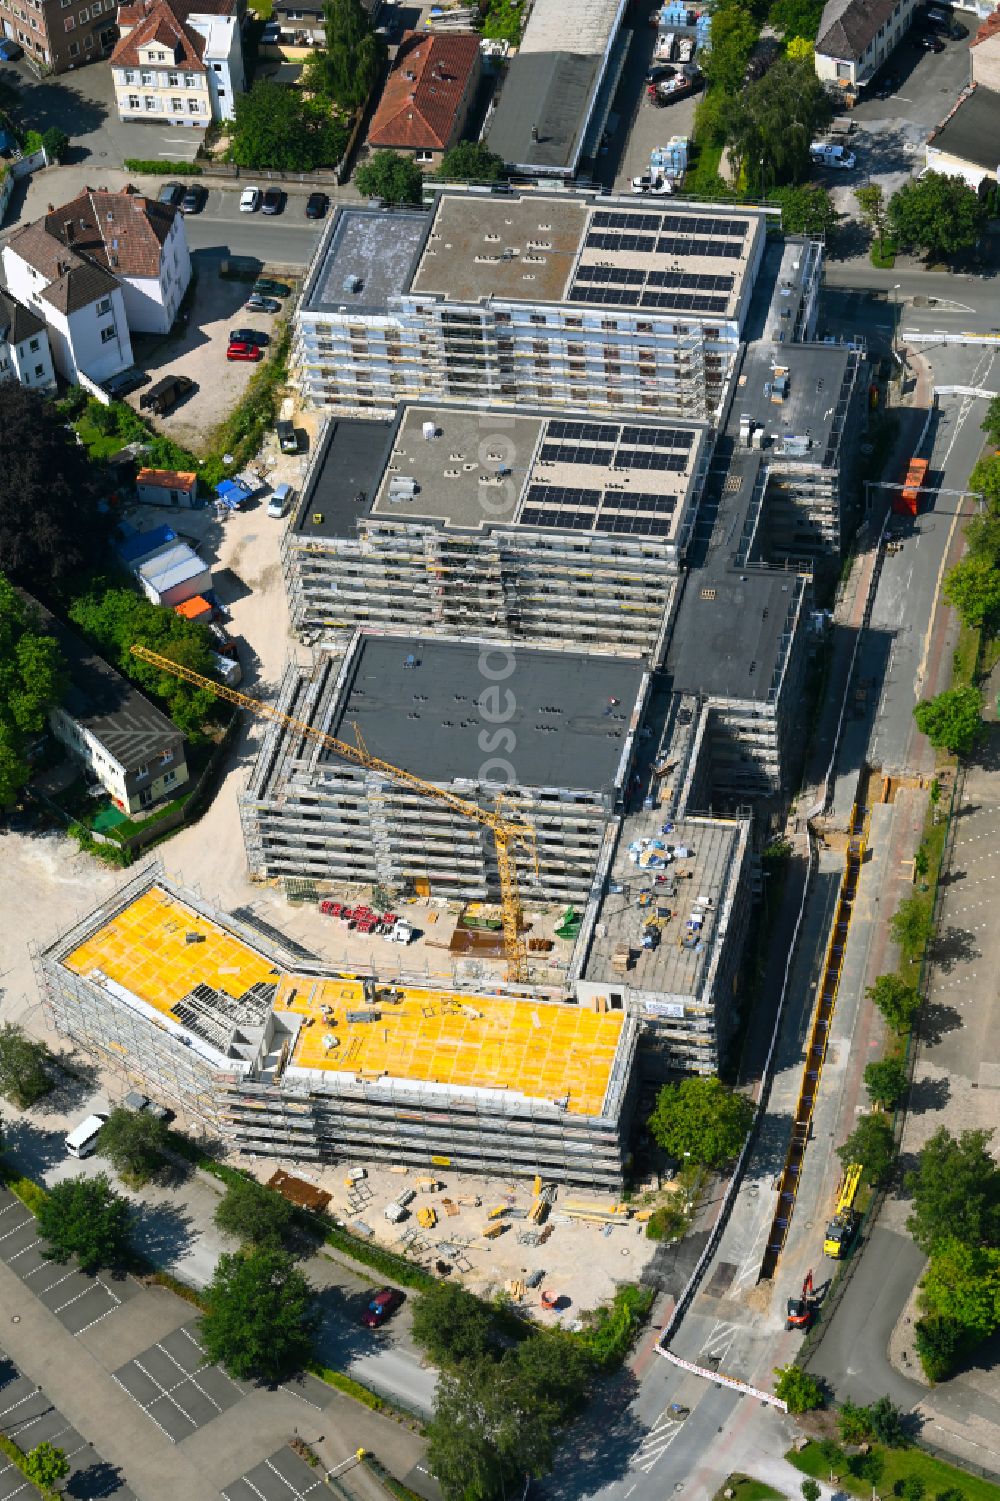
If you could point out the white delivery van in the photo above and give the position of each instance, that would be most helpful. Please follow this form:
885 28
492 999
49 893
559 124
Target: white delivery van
82 1140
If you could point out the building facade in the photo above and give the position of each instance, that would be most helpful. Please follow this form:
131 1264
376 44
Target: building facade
58 35
81 303
857 36
25 355
178 65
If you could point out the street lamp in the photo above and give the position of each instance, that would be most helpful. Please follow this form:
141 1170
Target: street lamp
895 315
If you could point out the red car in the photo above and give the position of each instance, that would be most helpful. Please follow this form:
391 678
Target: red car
385 1301
244 352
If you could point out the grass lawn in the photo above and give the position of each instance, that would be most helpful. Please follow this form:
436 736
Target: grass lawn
97 444
897 1464
745 1489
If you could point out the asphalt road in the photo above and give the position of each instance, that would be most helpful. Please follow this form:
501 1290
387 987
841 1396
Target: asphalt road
282 239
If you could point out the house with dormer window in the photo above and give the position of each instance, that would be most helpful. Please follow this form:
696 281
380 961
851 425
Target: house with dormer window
178 65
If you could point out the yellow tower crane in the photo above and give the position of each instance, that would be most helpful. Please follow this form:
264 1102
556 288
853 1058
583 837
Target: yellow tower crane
507 833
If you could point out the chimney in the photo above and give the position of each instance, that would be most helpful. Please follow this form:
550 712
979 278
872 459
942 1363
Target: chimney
69 230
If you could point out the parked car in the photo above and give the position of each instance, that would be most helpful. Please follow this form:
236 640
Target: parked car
823 154
194 199
930 42
887 85
957 31
165 394
937 16
317 205
265 287
288 438
385 1301
280 501
171 193
257 304
249 336
10 50
657 75
271 34
649 184
273 201
125 381
222 643
249 200
243 351
141 1102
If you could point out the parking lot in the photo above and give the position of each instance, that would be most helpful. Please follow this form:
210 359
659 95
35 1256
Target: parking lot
284 1476
77 1299
29 1418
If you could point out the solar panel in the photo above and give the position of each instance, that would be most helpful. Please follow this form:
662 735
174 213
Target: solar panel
658 437
636 526
644 458
615 500
681 302
572 453
585 432
574 521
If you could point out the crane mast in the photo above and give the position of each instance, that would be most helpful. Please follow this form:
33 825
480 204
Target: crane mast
507 833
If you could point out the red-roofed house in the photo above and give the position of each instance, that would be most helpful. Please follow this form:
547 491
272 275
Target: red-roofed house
178 63
166 487
428 94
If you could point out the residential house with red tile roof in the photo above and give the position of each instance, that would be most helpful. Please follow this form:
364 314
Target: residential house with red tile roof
428 94
178 63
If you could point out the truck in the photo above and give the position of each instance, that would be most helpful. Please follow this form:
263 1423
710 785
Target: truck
841 1229
906 500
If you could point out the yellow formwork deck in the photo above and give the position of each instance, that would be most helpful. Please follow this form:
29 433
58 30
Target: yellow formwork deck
541 1050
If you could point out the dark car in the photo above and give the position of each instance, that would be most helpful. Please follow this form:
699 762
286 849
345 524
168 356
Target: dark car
958 32
658 74
194 199
385 1301
249 336
273 201
930 42
265 287
887 85
317 205
257 304
125 381
288 438
165 394
10 50
171 193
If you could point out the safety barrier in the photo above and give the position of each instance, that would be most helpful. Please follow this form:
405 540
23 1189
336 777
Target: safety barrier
819 1038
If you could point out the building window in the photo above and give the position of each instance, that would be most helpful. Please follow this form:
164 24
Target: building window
104 306
133 101
74 49
33 345
107 334
177 105
131 77
424 156
146 78
171 776
190 82
217 67
193 106
83 16
152 103
173 80
39 371
70 23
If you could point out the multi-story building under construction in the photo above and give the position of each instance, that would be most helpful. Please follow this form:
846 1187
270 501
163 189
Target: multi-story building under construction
449 518
565 300
554 732
288 1059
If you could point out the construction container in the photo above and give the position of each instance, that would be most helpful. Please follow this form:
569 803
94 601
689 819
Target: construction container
907 501
429 1185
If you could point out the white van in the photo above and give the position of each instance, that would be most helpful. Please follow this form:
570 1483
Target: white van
82 1140
824 154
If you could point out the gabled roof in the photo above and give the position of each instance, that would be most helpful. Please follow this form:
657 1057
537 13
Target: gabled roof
424 90
74 281
847 26
17 322
989 29
184 44
131 15
123 232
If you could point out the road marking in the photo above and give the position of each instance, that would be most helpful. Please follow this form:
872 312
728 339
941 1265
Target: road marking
653 1448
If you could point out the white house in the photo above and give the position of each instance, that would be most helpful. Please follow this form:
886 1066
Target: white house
178 63
24 346
857 36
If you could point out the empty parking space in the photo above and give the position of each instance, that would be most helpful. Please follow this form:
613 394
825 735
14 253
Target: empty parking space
29 1418
175 1389
282 1477
77 1299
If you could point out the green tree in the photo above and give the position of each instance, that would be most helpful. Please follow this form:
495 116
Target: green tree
277 127
45 1465
85 1218
260 1317
936 213
870 1143
897 1001
800 49
805 210
982 536
32 681
774 120
953 720
348 67
973 587
956 1192
471 161
503 20
56 143
734 34
991 422
796 18
133 1141
872 207
393 178
985 480
854 1423
962 1286
801 1391
887 1423
700 1118
810 1490
451 1325
25 1066
255 1215
115 619
555 1367
486 1433
940 1343
886 1081
51 520
910 1488
911 925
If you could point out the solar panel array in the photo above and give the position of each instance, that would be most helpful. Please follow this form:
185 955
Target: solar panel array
664 233
609 447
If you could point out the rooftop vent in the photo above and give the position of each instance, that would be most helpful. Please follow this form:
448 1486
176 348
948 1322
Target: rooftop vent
352 283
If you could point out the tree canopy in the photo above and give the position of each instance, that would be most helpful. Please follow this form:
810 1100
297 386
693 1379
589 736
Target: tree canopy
805 210
886 1081
911 925
347 68
133 1141
277 127
796 18
991 422
116 618
32 680
702 1119
897 1001
451 1324
973 587
259 1317
51 526
956 1191
471 161
85 1218
870 1143
936 213
962 1285
24 1066
254 1214
953 720
775 119
45 1465
734 34
985 479
391 177
795 1386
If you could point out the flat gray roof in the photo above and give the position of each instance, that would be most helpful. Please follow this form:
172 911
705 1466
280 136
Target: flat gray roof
367 257
594 23
972 130
543 112
810 377
730 635
344 477
423 703
708 868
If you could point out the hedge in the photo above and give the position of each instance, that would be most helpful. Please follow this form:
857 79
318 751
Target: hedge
31 1194
18 1458
347 1385
161 169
